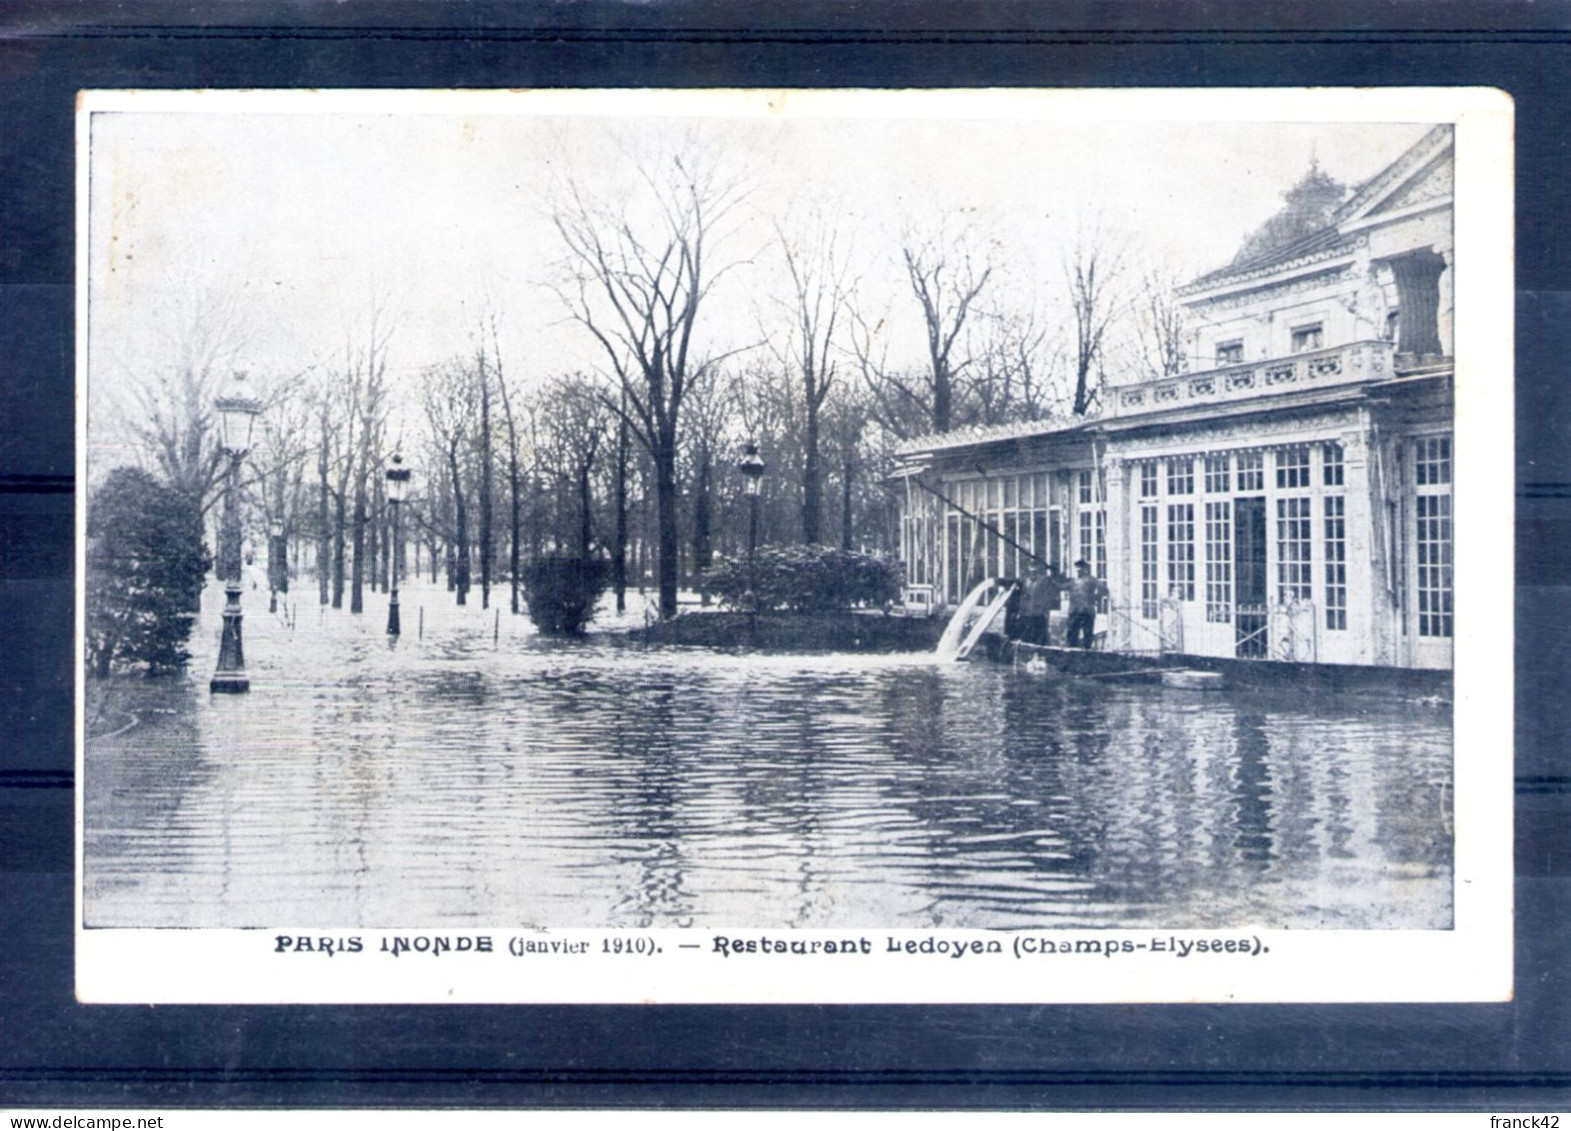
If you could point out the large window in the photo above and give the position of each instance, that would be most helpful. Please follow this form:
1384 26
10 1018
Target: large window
1332 465
1219 562
1181 476
1432 474
1181 551
1149 564
1293 550
1292 468
1434 565
1251 471
1230 353
1336 562
1217 475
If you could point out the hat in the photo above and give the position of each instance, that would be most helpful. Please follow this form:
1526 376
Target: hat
1081 563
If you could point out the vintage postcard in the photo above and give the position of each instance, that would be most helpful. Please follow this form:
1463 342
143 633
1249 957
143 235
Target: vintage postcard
794 546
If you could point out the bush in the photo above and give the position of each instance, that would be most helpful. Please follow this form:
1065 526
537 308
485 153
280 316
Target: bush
806 577
145 563
563 591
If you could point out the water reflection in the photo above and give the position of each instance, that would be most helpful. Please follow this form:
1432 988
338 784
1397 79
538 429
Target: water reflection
453 781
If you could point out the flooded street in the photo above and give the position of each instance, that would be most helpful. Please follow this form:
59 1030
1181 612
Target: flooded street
455 780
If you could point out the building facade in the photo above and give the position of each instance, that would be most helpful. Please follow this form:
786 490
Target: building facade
1288 498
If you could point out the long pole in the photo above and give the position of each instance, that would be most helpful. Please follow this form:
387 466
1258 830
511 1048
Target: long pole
393 627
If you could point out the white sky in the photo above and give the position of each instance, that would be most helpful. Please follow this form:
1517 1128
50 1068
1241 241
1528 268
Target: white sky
306 217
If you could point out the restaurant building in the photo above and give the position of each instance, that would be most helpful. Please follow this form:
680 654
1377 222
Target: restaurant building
1287 498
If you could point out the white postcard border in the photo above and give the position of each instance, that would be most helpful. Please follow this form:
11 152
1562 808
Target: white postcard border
1471 962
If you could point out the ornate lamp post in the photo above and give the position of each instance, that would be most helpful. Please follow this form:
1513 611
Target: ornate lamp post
397 484
752 469
237 412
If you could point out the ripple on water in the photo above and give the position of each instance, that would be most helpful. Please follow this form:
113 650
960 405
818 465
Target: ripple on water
456 781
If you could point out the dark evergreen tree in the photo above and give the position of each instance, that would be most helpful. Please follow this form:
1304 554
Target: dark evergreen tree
145 560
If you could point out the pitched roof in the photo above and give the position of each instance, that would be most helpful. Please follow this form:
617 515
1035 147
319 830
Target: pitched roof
1328 239
991 433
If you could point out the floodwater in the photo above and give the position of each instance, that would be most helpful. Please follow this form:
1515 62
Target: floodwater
481 775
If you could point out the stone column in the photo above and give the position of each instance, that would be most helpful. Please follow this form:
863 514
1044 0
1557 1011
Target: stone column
1366 567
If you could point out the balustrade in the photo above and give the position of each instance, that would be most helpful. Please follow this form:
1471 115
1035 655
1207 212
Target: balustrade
1339 365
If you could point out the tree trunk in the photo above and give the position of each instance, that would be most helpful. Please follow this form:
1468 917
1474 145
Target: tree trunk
703 550
941 396
487 549
324 548
619 553
666 521
847 468
1082 386
375 541
340 521
585 514
357 575
812 486
460 578
512 553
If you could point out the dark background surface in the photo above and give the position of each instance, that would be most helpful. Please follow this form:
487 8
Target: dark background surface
53 1052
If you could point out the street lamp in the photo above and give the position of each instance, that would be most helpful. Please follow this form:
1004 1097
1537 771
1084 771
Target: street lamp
752 469
237 413
397 484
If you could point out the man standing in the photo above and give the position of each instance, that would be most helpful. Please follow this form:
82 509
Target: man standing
1041 597
1085 592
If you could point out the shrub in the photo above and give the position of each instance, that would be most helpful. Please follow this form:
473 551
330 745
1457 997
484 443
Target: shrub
806 577
145 563
563 591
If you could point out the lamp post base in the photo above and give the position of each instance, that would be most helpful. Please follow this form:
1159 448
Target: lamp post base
230 678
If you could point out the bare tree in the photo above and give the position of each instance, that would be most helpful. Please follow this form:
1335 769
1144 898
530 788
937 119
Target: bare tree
1093 272
483 387
169 402
283 450
365 381
947 276
848 418
710 409
1015 365
514 468
1160 322
624 443
895 398
576 420
449 410
818 294
638 286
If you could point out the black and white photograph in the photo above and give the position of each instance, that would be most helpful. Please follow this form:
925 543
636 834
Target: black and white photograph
721 545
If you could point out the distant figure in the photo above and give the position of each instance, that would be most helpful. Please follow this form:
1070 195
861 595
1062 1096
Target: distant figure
1042 590
1084 593
1012 623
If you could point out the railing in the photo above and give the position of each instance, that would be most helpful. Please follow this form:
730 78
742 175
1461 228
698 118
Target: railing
1139 636
1341 365
1276 632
